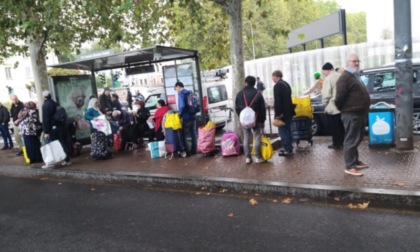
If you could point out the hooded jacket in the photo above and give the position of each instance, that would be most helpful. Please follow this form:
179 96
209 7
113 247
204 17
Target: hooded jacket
183 106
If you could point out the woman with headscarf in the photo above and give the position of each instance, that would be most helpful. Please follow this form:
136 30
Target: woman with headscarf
30 129
100 143
143 115
158 118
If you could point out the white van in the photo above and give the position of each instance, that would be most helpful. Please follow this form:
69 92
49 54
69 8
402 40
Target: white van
216 101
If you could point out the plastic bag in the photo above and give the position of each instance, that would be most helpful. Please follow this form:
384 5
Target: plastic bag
267 151
53 153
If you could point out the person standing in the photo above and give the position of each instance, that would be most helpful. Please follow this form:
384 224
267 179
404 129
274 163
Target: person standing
353 100
188 119
284 110
162 109
54 130
115 102
16 107
30 128
129 99
328 99
4 127
253 98
260 85
105 101
317 86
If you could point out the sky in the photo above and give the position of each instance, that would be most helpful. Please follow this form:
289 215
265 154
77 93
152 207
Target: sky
380 15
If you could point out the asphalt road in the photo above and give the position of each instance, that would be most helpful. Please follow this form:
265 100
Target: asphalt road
42 215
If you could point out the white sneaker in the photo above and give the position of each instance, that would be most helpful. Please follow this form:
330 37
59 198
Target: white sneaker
66 163
259 160
46 166
248 160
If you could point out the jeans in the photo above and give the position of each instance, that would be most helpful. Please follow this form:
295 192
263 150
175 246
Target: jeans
285 134
354 125
189 127
7 139
256 132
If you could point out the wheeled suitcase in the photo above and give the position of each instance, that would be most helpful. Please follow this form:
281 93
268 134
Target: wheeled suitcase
173 143
301 129
100 146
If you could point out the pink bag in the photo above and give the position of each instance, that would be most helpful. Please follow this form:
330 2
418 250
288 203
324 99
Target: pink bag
230 144
206 142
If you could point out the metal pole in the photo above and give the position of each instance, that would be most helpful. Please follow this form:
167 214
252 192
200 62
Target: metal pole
403 75
343 26
252 36
321 41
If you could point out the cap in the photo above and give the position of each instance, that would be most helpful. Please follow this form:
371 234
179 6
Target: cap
317 74
46 93
327 66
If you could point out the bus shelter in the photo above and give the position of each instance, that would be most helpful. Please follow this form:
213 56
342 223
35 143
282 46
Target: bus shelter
73 92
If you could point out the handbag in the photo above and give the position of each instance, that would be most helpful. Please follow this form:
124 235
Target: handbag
278 123
53 153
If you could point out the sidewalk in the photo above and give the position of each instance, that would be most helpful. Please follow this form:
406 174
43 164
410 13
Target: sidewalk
314 171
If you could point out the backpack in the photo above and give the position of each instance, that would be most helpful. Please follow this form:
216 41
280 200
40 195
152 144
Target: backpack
172 121
230 144
192 103
60 115
248 117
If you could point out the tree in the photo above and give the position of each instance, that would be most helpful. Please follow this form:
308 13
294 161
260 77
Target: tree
36 26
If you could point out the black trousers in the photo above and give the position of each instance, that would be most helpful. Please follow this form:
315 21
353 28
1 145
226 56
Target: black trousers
337 129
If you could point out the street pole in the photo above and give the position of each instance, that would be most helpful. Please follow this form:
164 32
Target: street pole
252 36
403 75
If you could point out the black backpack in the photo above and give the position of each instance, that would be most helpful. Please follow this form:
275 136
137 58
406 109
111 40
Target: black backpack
60 115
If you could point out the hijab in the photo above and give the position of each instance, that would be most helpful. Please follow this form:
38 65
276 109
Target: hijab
92 103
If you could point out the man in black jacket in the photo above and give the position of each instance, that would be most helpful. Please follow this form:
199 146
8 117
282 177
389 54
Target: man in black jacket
16 107
4 127
284 110
251 97
54 130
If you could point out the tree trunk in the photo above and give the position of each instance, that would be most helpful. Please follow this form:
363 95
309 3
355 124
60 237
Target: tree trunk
234 9
39 69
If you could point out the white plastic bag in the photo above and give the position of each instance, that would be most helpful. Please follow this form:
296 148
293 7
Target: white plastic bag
102 125
53 153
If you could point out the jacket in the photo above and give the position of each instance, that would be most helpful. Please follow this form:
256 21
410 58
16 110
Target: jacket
352 96
329 91
283 106
258 105
105 103
48 110
15 109
183 106
116 105
4 115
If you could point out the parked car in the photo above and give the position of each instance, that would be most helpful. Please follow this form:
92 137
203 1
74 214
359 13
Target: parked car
215 101
380 83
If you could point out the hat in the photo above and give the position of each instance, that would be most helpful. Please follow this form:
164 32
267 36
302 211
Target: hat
327 66
46 93
317 74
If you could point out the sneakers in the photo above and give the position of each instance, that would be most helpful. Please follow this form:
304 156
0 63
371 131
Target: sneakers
354 172
259 160
66 163
248 160
361 165
46 166
285 153
4 148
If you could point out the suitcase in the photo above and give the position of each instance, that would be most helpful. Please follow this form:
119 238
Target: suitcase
230 144
173 143
301 129
100 146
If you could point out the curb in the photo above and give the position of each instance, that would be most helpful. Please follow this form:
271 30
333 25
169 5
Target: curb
386 196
